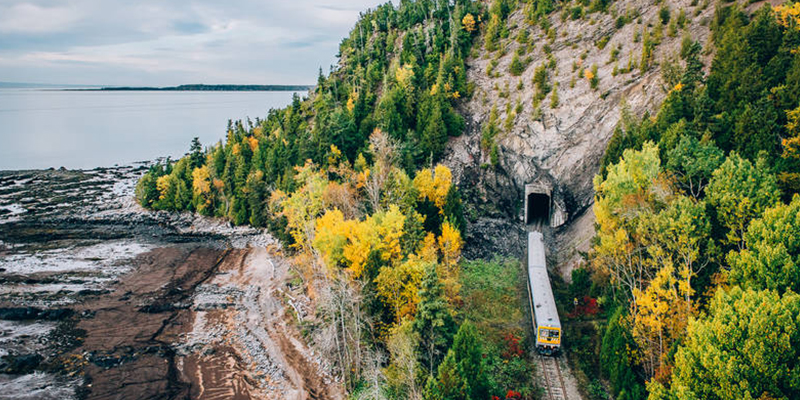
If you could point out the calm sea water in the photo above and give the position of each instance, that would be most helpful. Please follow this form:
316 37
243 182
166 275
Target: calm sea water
52 128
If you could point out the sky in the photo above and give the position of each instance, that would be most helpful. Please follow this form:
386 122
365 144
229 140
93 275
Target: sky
165 43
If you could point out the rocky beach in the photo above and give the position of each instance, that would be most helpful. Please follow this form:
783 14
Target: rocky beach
102 299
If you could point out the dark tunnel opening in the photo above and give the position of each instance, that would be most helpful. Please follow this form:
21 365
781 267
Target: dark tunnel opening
538 211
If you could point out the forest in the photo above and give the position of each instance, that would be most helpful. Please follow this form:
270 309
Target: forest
698 217
695 264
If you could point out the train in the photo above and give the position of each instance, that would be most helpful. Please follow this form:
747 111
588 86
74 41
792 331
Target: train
546 324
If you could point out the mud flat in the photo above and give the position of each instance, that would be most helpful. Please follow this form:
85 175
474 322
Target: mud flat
101 299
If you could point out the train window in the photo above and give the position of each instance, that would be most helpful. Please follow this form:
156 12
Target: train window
549 334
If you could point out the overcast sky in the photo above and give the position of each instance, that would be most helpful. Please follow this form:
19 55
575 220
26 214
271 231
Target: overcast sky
161 43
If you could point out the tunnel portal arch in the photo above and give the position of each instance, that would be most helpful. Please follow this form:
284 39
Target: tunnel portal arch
538 204
537 209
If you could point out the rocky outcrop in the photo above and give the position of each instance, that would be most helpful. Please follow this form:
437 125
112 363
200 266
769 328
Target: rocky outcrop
562 146
101 299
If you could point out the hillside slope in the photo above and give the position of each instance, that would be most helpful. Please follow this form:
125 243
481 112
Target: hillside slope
560 147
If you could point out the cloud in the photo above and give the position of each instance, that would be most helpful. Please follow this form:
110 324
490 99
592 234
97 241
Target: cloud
27 18
151 42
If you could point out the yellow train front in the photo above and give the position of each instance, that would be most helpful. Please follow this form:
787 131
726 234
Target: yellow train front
546 324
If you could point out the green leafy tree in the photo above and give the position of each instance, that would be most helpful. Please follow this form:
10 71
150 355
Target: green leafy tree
146 191
740 191
693 162
771 257
630 189
747 348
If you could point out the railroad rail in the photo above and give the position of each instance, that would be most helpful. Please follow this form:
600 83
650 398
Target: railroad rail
552 381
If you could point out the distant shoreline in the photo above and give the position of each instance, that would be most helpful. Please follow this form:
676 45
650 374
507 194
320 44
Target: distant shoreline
201 88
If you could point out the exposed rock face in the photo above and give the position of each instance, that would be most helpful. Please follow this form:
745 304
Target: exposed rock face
561 148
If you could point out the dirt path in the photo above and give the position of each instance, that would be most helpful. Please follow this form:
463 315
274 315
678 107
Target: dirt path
241 314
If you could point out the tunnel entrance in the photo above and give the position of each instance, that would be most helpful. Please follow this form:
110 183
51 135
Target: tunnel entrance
537 209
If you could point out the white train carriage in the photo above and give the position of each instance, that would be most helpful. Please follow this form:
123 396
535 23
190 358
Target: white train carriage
546 324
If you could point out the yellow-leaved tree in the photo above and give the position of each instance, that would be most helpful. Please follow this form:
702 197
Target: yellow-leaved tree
469 23
163 185
332 233
403 75
302 207
379 232
428 250
253 143
434 185
788 15
658 320
450 244
399 286
201 189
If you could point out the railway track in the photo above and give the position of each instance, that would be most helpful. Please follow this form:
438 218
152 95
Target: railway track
552 380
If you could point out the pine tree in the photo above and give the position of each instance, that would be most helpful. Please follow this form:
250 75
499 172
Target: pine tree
434 131
196 156
517 67
616 358
256 198
433 323
462 375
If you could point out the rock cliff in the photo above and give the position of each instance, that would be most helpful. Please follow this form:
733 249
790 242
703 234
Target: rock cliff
560 147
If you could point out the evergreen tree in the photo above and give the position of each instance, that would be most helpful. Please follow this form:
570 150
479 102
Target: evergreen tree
462 375
256 198
517 67
434 131
146 192
616 362
433 322
196 156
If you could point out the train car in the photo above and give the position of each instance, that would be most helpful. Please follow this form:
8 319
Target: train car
546 324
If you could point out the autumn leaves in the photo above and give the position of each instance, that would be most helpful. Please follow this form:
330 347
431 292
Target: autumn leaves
390 244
